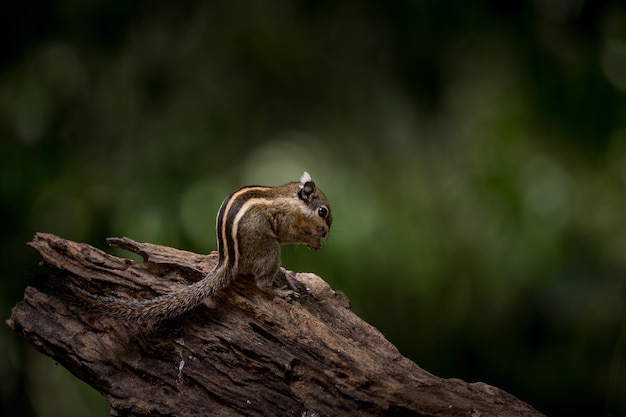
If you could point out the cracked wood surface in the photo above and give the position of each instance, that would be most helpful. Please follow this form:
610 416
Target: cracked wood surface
243 352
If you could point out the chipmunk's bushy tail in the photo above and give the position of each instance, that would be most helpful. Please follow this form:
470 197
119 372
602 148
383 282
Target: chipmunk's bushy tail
159 308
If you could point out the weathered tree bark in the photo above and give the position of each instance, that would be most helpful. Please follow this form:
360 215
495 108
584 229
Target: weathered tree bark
243 353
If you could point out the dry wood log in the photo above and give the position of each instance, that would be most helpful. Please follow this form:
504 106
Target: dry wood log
244 353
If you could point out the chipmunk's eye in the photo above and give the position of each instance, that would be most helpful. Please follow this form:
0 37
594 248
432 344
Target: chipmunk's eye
322 212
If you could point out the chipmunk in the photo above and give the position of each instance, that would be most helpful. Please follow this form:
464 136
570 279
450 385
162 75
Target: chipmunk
251 224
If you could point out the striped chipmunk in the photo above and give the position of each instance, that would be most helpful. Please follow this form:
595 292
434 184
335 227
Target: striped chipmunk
251 224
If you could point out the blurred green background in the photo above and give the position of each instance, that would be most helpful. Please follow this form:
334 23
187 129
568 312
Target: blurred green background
474 155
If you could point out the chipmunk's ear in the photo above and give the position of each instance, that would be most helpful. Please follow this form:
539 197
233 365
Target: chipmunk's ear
307 187
306 177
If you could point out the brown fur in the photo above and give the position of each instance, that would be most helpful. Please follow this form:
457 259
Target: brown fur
255 221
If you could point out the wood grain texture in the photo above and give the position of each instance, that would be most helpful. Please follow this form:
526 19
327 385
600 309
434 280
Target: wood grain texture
244 353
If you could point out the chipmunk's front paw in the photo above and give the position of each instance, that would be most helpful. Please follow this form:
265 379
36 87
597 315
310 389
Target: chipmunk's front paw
294 284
